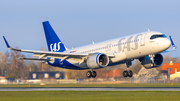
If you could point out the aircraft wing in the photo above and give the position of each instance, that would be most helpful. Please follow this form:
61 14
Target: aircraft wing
42 54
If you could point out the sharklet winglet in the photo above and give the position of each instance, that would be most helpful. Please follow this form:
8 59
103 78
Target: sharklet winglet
7 44
172 43
9 47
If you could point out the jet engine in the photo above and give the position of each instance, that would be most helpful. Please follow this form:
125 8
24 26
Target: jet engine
97 60
148 64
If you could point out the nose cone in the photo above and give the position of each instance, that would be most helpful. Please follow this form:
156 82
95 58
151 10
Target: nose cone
166 43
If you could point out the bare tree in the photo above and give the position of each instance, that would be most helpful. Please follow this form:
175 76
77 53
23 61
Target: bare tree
16 68
168 58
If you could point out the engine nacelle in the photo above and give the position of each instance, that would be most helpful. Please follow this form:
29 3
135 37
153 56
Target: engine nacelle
97 60
147 63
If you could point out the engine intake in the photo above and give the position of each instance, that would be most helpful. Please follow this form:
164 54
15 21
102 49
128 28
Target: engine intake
147 63
97 60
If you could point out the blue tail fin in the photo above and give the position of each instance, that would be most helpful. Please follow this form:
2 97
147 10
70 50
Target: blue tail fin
53 42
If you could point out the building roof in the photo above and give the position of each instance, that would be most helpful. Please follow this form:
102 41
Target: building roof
2 76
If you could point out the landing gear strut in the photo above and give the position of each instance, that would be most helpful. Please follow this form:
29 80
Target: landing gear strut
90 74
151 56
127 73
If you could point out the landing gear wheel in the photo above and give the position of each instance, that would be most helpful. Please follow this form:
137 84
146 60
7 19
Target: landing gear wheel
89 74
125 73
94 74
130 73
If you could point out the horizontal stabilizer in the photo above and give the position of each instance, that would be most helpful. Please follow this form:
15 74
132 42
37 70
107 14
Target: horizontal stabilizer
22 58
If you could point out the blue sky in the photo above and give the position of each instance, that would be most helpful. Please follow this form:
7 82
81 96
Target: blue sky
79 22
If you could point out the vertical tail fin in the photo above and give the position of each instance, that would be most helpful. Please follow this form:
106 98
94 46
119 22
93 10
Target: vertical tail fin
53 42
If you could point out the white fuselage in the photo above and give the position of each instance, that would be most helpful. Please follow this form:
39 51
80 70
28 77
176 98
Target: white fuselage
124 48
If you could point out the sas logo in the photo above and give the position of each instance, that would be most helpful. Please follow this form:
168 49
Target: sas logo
55 47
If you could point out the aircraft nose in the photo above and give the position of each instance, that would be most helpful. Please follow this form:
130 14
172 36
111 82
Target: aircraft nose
166 43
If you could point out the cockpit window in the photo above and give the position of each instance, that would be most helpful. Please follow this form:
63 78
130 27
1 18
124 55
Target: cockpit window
156 36
165 35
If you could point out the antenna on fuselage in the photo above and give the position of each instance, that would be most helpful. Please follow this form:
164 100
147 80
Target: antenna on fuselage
148 30
92 42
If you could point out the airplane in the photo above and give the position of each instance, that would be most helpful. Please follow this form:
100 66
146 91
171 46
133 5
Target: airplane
145 47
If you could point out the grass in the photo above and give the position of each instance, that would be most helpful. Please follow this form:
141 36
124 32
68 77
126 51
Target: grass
95 85
90 96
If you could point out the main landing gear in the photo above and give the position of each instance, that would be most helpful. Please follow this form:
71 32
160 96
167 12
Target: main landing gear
127 73
91 73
